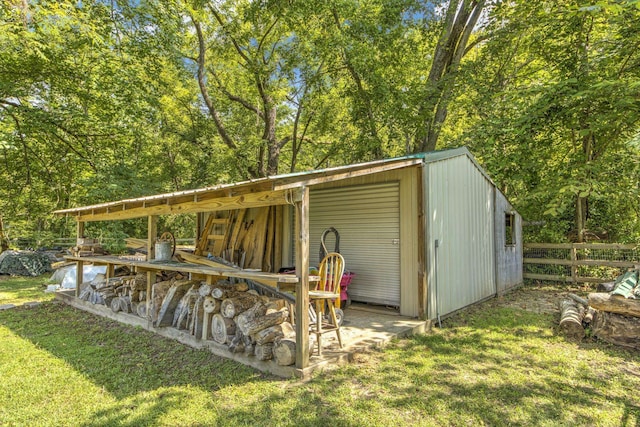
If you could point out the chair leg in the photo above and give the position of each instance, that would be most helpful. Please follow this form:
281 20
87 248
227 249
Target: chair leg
319 316
335 322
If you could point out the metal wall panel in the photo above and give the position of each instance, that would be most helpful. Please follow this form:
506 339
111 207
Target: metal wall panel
368 220
508 256
460 209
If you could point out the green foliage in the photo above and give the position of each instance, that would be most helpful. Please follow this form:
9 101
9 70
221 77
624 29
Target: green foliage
101 101
554 116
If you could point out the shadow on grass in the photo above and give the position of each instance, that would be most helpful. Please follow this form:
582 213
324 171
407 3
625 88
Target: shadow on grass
503 367
515 372
125 361
520 374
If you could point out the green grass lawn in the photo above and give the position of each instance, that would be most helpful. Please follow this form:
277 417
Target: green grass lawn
18 290
491 365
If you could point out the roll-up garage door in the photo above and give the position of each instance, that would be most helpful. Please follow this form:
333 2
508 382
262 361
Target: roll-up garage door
368 220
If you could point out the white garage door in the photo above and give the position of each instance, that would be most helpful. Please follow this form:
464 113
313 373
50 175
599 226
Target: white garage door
368 220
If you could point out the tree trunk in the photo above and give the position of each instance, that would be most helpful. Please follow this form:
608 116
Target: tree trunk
460 19
4 242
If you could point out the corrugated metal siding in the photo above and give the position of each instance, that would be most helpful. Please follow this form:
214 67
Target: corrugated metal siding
460 215
368 220
508 257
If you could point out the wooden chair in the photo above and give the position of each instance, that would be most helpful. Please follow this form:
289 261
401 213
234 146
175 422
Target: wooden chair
326 292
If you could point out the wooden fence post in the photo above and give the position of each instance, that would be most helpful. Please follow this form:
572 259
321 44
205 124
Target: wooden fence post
574 264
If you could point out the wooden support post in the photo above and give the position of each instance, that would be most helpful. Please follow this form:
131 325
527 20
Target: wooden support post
152 232
302 287
79 264
79 276
277 250
199 224
110 271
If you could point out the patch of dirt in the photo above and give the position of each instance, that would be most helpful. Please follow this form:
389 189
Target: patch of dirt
538 298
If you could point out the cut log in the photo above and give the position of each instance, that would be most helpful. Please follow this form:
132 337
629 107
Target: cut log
579 300
258 323
125 304
182 309
205 290
273 333
232 307
198 311
248 316
142 310
241 286
237 343
206 326
284 352
211 305
221 328
224 293
115 305
184 306
588 316
615 304
617 329
158 292
249 345
276 305
170 302
571 315
264 351
606 287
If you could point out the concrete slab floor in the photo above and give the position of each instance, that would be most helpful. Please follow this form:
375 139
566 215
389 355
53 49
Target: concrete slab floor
363 328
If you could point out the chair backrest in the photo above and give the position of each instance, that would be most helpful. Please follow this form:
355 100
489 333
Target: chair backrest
331 270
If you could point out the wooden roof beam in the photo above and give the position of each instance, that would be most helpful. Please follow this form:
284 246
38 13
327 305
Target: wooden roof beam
242 201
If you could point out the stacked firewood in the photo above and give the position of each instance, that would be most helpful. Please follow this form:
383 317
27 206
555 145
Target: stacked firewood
124 293
227 313
612 316
87 247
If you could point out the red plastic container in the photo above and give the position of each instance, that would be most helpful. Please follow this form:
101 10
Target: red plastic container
347 277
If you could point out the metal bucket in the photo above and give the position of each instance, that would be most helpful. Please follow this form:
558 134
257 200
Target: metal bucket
164 251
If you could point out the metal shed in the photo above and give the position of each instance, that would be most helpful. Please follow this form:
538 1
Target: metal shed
427 238
425 234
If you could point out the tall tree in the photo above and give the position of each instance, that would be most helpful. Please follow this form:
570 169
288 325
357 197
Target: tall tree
554 97
459 22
